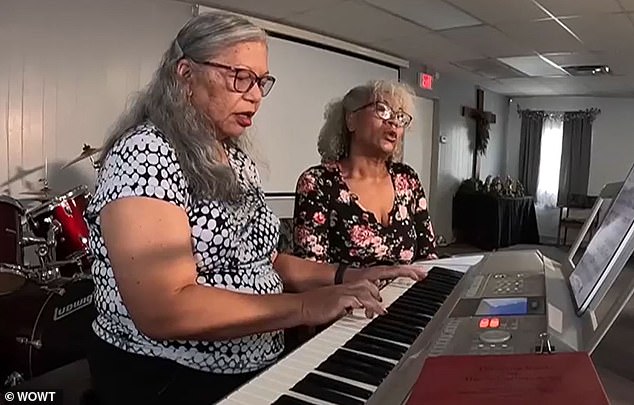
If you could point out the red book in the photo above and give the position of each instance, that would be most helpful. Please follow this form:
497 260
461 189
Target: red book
543 379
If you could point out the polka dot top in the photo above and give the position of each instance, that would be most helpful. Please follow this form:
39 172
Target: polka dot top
232 244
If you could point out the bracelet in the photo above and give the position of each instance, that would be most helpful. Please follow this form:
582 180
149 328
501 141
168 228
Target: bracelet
339 273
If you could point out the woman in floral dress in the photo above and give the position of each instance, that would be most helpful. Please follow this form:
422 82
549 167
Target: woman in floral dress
361 207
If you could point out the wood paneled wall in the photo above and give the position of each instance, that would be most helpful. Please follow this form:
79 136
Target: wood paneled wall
67 68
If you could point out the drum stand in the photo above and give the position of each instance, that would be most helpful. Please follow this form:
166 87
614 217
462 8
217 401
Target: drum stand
47 272
13 379
96 164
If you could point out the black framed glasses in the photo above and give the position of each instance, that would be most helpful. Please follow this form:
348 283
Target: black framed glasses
387 113
244 79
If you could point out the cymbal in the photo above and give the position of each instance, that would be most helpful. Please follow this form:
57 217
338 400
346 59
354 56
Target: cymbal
39 196
87 152
43 194
21 173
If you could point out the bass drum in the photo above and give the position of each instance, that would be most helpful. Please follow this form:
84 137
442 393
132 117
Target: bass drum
11 254
42 330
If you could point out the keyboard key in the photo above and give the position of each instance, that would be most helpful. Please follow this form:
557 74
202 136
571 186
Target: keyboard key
348 361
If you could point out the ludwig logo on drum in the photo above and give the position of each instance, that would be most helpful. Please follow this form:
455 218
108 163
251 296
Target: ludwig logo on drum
63 312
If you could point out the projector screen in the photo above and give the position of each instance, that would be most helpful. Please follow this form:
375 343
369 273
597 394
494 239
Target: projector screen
287 125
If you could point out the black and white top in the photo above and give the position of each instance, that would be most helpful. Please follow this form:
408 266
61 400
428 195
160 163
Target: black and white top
233 245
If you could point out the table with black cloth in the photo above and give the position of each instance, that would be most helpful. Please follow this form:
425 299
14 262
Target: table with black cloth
489 222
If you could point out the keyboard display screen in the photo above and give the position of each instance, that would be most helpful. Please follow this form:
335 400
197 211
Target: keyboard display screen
502 306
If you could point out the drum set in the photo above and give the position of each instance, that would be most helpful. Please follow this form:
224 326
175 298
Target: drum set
46 307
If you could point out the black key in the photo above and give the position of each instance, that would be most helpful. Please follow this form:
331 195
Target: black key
396 324
373 346
388 335
388 345
428 291
412 302
349 373
427 295
396 328
374 373
406 319
437 286
360 366
362 358
415 301
416 307
442 282
408 311
376 350
442 277
447 272
415 320
336 385
288 400
315 391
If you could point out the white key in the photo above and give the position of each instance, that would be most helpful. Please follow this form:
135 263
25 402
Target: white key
281 377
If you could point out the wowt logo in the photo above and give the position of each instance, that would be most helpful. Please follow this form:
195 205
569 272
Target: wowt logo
33 397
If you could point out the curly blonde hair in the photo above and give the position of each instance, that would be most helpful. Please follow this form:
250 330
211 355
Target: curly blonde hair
334 137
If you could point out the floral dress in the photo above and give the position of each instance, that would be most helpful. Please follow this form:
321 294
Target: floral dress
331 226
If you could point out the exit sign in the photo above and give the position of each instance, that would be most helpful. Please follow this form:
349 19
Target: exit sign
426 81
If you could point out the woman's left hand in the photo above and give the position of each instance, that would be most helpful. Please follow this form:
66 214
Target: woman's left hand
379 273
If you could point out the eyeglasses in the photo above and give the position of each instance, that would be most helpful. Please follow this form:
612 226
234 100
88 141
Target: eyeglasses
386 113
244 79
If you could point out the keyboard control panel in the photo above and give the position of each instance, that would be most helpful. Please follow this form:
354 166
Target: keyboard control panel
502 311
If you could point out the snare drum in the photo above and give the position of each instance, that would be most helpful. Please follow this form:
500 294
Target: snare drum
11 253
48 331
66 214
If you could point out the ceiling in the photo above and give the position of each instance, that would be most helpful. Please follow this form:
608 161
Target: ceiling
512 47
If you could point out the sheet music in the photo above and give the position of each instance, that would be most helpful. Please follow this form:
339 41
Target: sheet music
460 263
604 244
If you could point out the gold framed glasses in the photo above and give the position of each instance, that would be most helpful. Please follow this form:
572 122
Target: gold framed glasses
387 113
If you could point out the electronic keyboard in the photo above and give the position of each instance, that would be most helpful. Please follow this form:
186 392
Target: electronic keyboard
350 360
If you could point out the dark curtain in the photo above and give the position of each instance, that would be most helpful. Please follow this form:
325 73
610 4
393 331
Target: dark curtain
530 149
576 147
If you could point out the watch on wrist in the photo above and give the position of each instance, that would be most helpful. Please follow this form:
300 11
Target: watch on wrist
341 269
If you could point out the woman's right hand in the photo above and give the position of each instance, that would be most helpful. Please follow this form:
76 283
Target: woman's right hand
324 305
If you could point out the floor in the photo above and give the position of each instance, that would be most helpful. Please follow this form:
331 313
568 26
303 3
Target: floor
614 358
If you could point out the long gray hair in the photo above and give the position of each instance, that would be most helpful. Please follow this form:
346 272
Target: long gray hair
334 137
165 103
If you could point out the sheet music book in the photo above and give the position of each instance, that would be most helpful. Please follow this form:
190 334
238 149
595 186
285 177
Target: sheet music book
523 379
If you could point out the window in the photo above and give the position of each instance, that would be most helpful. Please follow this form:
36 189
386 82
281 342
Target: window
549 163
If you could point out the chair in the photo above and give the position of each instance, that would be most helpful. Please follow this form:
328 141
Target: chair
579 204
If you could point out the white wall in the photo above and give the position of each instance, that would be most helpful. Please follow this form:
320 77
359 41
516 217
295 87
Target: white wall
66 71
65 75
452 161
612 143
417 148
289 120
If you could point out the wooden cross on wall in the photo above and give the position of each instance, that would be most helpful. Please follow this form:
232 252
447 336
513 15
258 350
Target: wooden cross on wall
482 119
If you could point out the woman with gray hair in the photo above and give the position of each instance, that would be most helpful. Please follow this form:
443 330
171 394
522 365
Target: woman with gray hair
189 290
361 206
